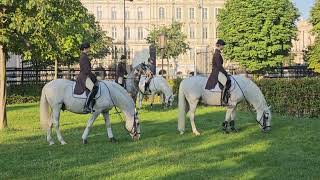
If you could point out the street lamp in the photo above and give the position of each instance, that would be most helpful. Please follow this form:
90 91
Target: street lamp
124 28
162 39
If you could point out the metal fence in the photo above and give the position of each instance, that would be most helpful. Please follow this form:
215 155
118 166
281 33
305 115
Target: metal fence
31 76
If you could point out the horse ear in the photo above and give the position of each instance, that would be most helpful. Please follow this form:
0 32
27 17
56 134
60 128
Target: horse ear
269 107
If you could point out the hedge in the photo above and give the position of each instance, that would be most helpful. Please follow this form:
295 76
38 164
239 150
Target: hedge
292 97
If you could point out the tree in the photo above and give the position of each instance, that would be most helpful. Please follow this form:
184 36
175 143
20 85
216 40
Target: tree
258 33
45 30
313 54
176 44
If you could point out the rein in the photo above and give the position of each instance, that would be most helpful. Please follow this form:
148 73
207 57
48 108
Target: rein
133 131
263 117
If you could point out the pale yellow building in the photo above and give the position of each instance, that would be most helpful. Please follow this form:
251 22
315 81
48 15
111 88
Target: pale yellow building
303 41
198 16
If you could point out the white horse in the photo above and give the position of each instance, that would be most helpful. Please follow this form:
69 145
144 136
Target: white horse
192 90
158 85
58 94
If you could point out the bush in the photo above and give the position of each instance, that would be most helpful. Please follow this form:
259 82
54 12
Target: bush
18 99
174 84
295 97
25 90
29 93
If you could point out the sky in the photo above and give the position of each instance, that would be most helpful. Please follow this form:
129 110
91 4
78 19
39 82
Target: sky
304 7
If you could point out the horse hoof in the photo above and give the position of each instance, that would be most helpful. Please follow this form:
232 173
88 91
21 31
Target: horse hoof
196 133
234 130
181 132
63 143
84 141
113 140
226 131
51 143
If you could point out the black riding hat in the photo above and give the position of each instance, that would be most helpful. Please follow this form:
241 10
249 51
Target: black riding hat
84 45
221 42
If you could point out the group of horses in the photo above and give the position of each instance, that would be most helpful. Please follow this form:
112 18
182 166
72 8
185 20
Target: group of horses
58 94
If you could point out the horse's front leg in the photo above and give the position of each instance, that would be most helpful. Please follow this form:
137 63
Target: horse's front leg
152 99
89 125
55 120
227 119
233 120
108 125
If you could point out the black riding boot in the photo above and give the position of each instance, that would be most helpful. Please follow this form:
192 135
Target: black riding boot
226 93
90 100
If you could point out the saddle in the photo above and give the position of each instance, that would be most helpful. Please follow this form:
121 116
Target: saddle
85 94
214 96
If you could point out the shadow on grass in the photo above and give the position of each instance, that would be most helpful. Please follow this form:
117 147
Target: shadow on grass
287 152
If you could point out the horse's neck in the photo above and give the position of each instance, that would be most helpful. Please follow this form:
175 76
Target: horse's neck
254 96
161 86
122 101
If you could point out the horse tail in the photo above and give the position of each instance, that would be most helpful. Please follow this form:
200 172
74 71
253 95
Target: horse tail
183 108
44 111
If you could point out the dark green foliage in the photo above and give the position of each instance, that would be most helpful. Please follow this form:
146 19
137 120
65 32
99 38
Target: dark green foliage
294 97
18 99
258 33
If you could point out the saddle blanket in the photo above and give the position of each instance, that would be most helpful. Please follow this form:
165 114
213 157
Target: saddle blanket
84 95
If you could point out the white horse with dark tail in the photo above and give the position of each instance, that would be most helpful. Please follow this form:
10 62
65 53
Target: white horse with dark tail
58 94
158 85
192 91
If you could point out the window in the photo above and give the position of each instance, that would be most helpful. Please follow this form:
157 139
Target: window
114 32
205 33
99 12
191 13
191 33
161 13
127 33
204 13
113 13
140 13
217 11
140 33
127 14
178 13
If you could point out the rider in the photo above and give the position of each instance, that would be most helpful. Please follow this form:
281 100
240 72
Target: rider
149 74
121 71
86 81
219 74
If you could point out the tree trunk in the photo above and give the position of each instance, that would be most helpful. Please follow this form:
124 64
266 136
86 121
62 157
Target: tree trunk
56 69
3 113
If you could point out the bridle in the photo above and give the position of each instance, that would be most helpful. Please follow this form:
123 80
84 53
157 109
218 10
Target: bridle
264 116
264 119
134 130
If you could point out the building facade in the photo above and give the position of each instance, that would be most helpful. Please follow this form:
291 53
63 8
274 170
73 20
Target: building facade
198 16
303 41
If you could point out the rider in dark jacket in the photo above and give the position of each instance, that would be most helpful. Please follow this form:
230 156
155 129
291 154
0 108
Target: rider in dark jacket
219 74
86 80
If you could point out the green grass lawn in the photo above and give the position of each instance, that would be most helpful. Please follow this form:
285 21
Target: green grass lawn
290 151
